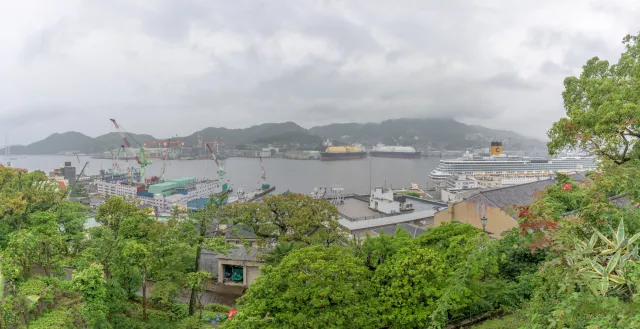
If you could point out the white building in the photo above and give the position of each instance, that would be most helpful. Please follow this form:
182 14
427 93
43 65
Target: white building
105 188
490 182
201 189
382 200
461 182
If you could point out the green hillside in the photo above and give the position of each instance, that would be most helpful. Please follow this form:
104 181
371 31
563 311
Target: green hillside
445 133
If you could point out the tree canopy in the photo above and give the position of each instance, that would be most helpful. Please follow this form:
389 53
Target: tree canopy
292 218
603 108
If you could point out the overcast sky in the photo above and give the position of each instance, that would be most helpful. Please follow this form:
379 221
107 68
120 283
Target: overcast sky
173 67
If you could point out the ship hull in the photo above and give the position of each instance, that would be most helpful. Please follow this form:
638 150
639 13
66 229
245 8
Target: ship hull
325 156
398 155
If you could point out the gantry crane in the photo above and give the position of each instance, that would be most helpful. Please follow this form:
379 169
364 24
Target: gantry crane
142 160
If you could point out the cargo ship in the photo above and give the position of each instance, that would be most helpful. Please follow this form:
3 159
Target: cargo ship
404 152
342 153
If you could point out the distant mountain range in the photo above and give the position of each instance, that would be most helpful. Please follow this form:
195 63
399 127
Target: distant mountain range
440 133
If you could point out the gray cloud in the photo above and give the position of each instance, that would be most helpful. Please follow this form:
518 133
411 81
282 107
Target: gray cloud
176 66
25 116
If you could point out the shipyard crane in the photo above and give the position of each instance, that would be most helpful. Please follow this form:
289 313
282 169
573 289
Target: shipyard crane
142 160
164 162
220 165
70 189
115 168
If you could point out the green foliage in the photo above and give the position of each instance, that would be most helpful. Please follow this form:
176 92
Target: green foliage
409 286
280 251
41 232
314 287
409 193
292 218
602 106
377 250
90 283
54 319
515 258
217 308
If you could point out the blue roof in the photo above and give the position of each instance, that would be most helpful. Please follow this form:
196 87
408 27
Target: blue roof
197 204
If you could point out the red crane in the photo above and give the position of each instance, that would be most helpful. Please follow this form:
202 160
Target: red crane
142 162
220 166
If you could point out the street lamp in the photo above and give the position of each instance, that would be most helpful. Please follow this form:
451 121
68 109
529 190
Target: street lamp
483 220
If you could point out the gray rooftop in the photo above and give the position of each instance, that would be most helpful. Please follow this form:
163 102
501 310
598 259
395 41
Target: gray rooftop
355 208
239 233
518 195
385 221
237 253
413 230
621 200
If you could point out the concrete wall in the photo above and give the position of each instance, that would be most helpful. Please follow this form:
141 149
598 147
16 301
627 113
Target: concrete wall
382 201
497 220
252 273
251 270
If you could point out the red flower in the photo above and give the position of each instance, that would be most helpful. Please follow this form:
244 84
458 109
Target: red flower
567 187
231 313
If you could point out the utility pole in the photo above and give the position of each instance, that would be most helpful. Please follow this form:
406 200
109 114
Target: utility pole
370 160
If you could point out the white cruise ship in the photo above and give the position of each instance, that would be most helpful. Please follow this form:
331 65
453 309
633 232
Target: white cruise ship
513 170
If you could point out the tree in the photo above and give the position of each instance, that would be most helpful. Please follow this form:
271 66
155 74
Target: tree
171 256
280 251
375 250
197 281
71 217
50 244
409 286
603 108
292 218
138 255
20 255
90 283
313 287
206 222
120 220
23 193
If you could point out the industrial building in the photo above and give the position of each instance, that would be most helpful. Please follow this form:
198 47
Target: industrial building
384 210
164 196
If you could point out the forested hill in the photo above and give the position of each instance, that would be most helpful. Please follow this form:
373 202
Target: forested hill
446 133
441 133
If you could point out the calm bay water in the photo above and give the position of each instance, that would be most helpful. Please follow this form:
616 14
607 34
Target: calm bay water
294 175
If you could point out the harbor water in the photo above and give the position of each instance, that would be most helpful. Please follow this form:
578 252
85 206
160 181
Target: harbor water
299 176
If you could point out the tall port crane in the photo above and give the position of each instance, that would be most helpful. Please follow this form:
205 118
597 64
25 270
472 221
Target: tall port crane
264 172
142 160
220 165
164 161
115 168
70 189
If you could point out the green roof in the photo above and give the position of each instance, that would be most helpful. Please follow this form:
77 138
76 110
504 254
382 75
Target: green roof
184 180
165 184
162 187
